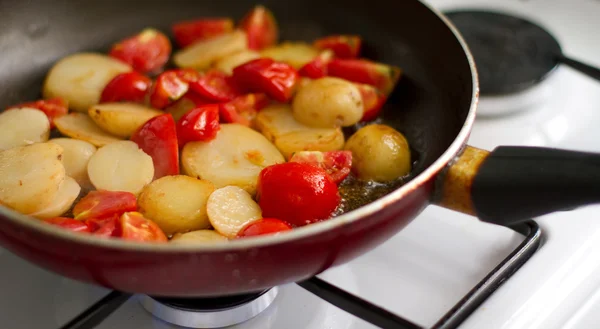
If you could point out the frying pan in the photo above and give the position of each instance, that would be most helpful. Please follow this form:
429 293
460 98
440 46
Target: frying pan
433 105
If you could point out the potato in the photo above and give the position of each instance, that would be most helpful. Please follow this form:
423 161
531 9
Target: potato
76 155
379 153
204 53
235 157
228 63
277 123
121 119
68 191
121 166
30 176
230 209
176 203
80 78
198 237
328 103
24 126
80 126
297 54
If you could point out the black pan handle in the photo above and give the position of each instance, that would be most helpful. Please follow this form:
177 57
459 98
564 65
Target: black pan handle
590 71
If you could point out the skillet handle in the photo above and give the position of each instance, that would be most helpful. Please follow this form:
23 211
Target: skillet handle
512 184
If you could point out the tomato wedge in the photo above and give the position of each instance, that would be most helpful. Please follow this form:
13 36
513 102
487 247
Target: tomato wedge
187 32
264 226
260 27
243 109
264 75
102 204
337 164
216 86
52 108
146 52
170 86
373 101
317 68
344 46
158 138
188 102
134 226
199 125
381 76
105 227
68 224
126 87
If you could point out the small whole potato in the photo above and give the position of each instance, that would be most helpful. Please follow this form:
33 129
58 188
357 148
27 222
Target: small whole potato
328 103
379 153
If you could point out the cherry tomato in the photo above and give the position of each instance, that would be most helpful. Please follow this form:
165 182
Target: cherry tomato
264 75
52 108
126 87
69 224
105 227
243 109
134 226
146 52
188 102
158 138
188 32
336 163
297 193
102 204
264 226
216 86
344 46
381 76
170 86
373 101
199 125
317 68
260 27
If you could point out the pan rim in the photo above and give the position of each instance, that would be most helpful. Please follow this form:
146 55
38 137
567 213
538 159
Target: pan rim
296 234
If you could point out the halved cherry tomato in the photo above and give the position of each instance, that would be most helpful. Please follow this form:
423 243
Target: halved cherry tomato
199 125
243 109
126 87
52 108
297 193
381 76
134 226
146 52
170 86
188 32
373 101
188 102
105 227
216 86
260 27
344 46
276 79
158 138
336 163
69 224
264 226
102 204
317 68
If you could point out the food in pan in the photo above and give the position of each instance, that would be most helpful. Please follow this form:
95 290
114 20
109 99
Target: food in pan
227 134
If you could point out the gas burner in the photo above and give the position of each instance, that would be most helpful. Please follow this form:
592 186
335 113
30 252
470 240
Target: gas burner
209 312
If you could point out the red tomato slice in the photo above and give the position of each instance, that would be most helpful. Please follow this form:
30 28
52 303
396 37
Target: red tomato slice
216 86
126 87
105 227
188 102
158 138
68 224
102 204
264 75
373 101
243 109
188 32
260 27
134 226
317 68
381 76
146 52
344 46
199 125
264 226
336 163
52 108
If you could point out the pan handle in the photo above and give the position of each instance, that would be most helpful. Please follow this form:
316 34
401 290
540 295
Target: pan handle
512 184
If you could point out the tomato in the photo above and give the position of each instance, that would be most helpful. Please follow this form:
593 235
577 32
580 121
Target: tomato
52 108
187 32
264 75
158 138
381 76
69 224
134 226
317 68
216 86
260 27
188 102
102 204
170 86
373 101
126 87
243 109
336 163
264 226
298 193
105 227
199 125
146 52
344 46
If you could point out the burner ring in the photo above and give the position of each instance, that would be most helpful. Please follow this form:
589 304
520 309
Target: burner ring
227 314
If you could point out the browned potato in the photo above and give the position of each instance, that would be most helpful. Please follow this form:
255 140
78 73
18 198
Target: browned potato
277 124
80 126
235 157
76 155
202 54
80 78
68 191
177 203
121 119
228 63
297 54
379 153
230 209
198 237
23 126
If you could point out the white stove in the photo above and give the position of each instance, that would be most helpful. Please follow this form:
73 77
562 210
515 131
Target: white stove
427 268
